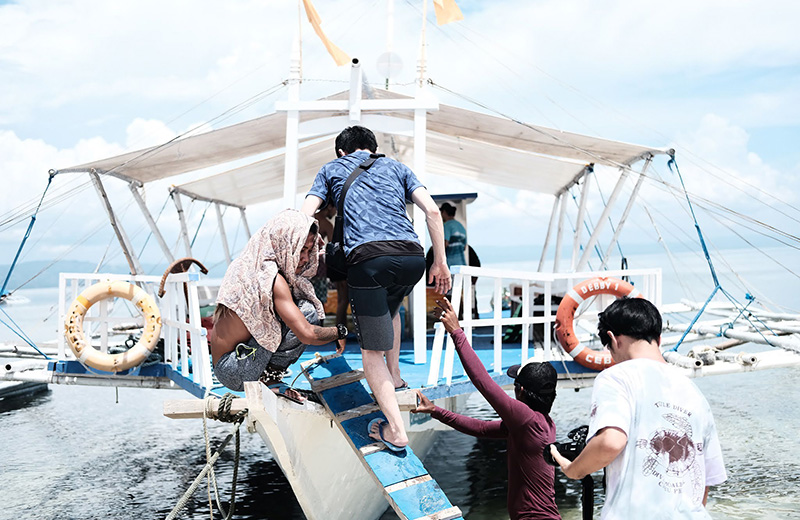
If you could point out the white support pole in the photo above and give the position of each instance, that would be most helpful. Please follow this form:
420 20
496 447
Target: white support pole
419 305
176 199
133 261
223 237
151 222
550 225
355 91
581 215
422 62
625 213
244 222
559 236
547 327
292 129
526 313
498 329
602 221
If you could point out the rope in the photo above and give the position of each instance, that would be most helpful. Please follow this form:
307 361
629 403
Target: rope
717 284
223 414
21 333
27 234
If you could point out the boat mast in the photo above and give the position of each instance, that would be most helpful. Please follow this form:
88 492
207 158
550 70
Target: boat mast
293 117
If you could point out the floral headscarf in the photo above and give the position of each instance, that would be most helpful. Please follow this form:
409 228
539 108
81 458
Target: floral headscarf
247 286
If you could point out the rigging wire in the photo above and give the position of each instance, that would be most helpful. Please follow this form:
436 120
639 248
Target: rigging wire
751 187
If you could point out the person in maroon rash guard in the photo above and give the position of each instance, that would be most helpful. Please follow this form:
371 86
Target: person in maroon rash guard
525 423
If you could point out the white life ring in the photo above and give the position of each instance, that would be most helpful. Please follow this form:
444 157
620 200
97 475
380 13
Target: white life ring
92 357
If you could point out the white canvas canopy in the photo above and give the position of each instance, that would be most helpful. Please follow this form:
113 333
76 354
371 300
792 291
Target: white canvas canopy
460 143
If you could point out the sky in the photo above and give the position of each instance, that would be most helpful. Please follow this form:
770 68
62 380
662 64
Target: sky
716 80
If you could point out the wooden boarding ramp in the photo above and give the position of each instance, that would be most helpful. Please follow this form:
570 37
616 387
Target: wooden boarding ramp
405 482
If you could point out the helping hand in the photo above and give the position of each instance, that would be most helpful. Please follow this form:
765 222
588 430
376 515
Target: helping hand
340 344
445 313
440 278
424 405
559 458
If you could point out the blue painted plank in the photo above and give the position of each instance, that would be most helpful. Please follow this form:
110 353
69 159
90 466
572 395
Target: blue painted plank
332 367
346 397
356 429
393 467
421 500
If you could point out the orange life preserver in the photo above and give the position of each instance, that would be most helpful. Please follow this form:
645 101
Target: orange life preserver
90 356
597 360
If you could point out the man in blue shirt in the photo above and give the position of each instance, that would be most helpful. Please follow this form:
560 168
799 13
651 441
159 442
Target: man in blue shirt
385 260
455 236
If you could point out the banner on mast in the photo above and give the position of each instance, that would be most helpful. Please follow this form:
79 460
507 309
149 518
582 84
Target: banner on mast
338 55
447 11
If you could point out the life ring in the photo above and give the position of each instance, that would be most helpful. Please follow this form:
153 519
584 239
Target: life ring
92 357
597 360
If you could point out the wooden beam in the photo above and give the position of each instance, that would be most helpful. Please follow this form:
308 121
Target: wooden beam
193 408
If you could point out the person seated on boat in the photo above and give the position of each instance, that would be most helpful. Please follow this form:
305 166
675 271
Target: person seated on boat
267 312
524 421
650 426
385 260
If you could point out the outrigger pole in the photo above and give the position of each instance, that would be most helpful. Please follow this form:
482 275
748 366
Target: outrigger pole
717 285
52 174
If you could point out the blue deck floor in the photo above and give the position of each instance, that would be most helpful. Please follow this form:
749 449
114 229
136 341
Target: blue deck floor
415 375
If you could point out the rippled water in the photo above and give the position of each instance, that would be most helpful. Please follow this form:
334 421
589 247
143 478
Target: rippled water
75 453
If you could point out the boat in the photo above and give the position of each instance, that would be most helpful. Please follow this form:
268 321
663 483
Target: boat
275 157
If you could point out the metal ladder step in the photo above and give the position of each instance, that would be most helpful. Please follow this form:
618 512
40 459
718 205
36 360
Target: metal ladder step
404 481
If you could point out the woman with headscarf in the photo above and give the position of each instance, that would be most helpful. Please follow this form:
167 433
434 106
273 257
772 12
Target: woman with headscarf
267 312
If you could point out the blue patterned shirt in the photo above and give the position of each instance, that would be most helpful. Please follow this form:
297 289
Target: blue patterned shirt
375 206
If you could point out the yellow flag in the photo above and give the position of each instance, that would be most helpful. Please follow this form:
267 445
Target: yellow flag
446 11
339 56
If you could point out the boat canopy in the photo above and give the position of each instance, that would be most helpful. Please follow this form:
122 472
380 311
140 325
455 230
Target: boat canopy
460 143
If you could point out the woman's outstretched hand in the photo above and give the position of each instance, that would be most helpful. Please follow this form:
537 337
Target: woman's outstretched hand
445 313
424 405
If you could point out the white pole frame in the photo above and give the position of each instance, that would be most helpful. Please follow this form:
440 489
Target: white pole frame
581 215
627 211
151 222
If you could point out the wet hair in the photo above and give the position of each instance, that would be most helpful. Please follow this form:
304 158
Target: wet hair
355 138
448 208
633 317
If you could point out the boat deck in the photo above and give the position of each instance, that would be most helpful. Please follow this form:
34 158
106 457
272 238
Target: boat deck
415 375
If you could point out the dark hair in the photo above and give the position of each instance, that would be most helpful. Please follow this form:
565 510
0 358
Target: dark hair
355 138
314 228
633 317
537 382
448 208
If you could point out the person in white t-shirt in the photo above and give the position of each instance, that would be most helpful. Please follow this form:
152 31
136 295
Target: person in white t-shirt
649 425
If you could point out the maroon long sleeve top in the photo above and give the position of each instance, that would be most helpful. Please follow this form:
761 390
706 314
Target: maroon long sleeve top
530 479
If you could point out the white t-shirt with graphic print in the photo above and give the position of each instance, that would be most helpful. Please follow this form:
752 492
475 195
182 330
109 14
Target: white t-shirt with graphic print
673 451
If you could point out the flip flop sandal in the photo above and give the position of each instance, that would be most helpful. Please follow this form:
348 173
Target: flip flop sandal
282 388
398 449
404 386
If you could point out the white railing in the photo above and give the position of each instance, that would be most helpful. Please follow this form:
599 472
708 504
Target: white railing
180 319
528 284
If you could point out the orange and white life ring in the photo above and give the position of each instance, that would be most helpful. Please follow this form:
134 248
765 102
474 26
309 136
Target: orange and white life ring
92 357
597 360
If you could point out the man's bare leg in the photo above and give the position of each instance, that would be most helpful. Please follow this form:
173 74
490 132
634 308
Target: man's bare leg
380 382
393 356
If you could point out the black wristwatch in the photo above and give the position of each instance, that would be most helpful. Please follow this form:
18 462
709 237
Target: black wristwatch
342 331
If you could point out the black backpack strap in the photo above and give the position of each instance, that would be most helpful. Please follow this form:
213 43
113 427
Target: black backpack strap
338 227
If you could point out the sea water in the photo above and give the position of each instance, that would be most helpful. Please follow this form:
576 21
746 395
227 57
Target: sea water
92 452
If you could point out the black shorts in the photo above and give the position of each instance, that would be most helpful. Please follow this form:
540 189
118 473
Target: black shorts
376 288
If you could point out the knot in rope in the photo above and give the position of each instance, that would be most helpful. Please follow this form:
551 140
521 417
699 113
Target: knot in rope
224 410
